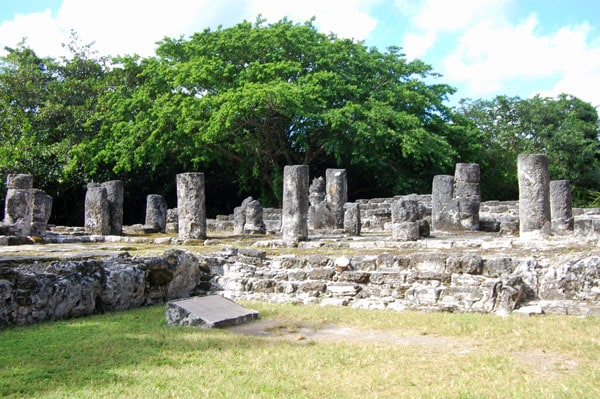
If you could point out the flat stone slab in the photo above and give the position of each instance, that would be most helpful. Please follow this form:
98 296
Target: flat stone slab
211 311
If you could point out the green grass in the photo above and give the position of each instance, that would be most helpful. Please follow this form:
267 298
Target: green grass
134 354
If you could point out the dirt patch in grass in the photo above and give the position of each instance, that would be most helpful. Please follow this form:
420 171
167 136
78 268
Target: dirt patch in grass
293 331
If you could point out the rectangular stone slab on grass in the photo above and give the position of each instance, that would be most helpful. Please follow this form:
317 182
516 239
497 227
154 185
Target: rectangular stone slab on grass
211 311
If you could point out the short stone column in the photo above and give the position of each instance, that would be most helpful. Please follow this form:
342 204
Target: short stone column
352 222
254 223
115 192
405 216
239 216
18 205
534 195
561 206
336 187
191 205
42 209
444 209
294 215
97 210
468 194
156 213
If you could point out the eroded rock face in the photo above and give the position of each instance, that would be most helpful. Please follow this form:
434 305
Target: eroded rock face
42 290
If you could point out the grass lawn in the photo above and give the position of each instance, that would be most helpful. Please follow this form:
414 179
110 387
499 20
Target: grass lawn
380 354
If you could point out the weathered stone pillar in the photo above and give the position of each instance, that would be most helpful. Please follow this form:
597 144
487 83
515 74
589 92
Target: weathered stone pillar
239 216
534 195
18 206
337 194
444 210
42 208
191 205
318 212
405 214
468 194
97 210
352 222
156 213
294 215
254 223
561 206
115 193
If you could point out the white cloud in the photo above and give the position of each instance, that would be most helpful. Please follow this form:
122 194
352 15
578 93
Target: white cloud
349 19
134 26
417 45
39 30
490 56
444 15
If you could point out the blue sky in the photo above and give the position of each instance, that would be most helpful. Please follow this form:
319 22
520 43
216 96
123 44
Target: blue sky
482 48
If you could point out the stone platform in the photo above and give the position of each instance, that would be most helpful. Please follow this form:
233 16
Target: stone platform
211 311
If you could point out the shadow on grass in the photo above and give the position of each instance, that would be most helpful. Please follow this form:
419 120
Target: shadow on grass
93 352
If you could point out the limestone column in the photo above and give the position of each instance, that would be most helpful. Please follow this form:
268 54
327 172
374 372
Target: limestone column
352 222
561 206
18 208
294 215
468 194
191 205
534 195
115 193
443 215
254 223
156 212
97 210
337 194
42 208
405 214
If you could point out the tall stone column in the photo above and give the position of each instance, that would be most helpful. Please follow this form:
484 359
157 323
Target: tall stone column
294 215
156 212
337 194
561 206
468 194
97 210
115 193
444 210
534 195
191 205
18 206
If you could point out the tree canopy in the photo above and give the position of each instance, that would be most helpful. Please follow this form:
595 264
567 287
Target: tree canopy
566 129
240 103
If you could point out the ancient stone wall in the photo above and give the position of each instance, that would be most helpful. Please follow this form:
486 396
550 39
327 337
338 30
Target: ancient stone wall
40 289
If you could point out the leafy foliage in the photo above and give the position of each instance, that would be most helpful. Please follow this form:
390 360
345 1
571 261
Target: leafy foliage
566 129
247 100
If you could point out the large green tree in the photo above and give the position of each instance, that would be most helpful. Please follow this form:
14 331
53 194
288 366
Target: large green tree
46 107
564 128
242 102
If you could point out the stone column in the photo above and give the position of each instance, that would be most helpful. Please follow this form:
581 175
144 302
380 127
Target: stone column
254 223
468 194
191 205
294 215
405 214
156 213
337 194
561 206
115 193
18 208
352 222
444 210
42 208
239 216
534 195
97 210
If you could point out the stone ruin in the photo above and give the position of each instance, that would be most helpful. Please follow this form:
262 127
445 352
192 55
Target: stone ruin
444 251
